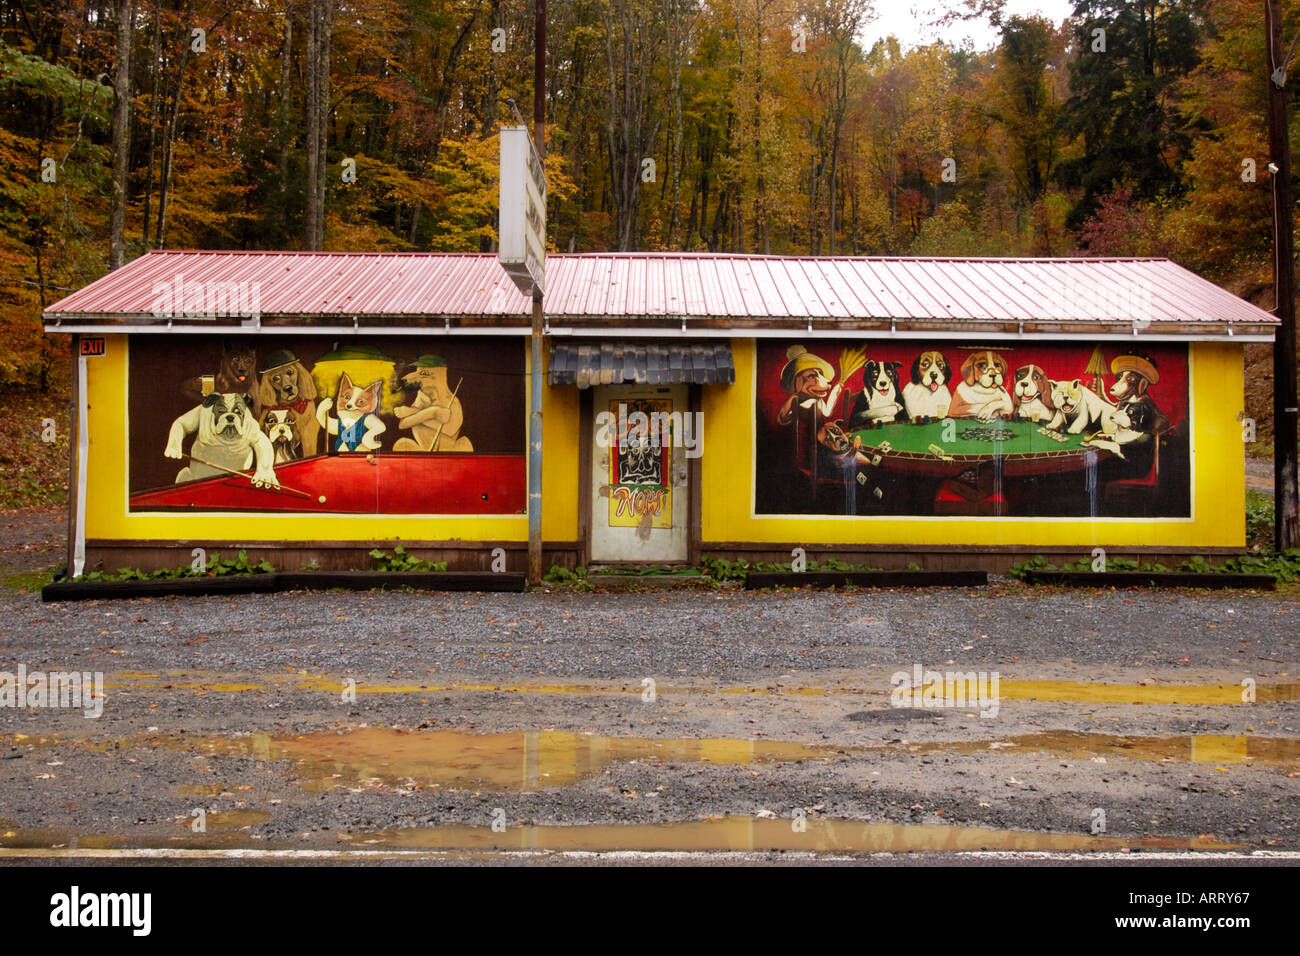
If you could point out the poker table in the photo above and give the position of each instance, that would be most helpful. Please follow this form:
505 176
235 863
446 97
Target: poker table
1016 448
385 483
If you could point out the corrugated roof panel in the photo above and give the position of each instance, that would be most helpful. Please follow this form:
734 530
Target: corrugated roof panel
625 287
845 286
980 304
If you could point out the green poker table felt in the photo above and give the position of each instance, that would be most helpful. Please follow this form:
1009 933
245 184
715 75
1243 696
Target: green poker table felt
1022 451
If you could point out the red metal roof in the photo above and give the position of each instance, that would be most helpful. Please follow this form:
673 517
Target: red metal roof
623 287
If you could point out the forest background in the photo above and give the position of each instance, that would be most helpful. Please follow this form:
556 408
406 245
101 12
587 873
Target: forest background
1133 128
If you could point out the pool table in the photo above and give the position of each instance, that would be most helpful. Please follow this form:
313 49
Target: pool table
385 483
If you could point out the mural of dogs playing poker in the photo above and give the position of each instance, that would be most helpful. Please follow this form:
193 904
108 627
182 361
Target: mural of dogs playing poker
1038 442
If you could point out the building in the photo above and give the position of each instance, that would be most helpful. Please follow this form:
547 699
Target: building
949 412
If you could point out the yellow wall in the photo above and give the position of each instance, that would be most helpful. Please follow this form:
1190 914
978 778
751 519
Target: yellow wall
727 469
106 496
1218 480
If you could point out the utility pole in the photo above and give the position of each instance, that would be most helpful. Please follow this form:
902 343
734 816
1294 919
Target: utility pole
535 419
1286 528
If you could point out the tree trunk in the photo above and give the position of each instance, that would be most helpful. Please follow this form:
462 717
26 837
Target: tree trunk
169 131
286 104
319 14
153 120
312 235
121 134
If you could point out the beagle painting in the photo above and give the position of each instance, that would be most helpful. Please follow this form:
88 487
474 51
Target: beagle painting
1031 395
981 393
927 395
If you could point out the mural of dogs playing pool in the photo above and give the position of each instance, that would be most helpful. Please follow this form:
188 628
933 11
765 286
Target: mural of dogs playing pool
306 424
1019 429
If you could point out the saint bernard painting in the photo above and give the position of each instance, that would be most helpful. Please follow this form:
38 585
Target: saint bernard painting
1026 429
380 425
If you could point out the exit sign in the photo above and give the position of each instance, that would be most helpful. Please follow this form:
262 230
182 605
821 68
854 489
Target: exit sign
92 346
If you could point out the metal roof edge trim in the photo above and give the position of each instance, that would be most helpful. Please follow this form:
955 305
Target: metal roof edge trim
1182 335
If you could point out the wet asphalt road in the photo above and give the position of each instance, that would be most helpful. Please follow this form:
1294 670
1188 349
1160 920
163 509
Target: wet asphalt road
531 710
189 681
724 635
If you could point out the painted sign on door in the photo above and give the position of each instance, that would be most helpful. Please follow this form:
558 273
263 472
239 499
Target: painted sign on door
639 475
640 463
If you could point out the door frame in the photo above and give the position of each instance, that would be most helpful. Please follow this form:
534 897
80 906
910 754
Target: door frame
694 499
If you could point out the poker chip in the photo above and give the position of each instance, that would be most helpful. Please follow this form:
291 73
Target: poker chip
986 433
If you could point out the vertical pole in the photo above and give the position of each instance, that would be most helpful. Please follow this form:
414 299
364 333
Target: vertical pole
535 419
75 425
1286 527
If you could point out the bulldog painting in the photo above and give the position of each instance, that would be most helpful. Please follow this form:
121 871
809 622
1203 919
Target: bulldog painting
1081 406
227 438
981 393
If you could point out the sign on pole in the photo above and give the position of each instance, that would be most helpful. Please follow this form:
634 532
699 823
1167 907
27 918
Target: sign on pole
521 230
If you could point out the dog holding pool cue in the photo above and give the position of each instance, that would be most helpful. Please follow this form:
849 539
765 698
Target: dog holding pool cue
244 474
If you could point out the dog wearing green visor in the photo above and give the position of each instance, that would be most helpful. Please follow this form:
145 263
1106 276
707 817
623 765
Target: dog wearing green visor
435 417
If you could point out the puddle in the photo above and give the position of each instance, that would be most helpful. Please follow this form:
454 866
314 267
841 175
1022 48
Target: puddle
525 760
714 834
233 819
199 790
371 757
532 760
1094 693
1199 748
1042 690
750 833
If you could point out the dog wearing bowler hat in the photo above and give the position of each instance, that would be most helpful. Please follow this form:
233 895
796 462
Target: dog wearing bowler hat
285 385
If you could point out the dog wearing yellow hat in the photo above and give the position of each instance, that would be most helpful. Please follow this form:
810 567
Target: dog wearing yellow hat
1136 419
807 378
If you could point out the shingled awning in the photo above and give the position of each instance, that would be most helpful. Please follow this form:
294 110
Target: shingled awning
629 363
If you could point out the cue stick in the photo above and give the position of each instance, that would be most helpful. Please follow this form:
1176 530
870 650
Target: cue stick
244 474
438 433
